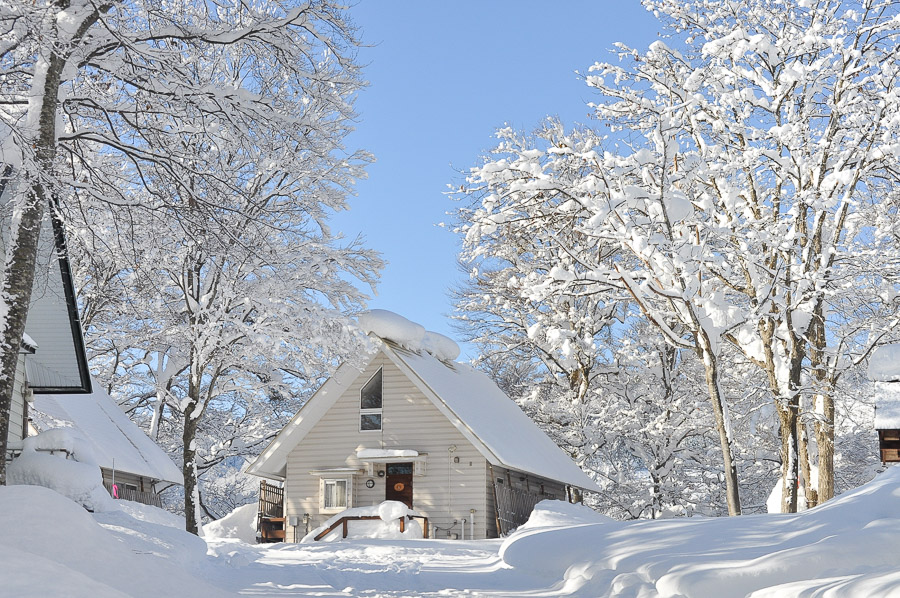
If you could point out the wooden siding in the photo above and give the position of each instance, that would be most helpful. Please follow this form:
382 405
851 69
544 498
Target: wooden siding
527 484
49 323
18 426
453 483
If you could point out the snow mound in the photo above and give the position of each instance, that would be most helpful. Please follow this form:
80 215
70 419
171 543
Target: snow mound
884 364
240 524
78 479
50 546
406 333
387 527
835 549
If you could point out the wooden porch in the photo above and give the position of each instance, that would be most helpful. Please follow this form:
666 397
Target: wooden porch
270 523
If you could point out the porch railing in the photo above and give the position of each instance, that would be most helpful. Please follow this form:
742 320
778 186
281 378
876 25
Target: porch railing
123 493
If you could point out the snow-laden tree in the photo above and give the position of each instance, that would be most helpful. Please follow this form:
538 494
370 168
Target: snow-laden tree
782 117
237 306
200 121
612 403
746 155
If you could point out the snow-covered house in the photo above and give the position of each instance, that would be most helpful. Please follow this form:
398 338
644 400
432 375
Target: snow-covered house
132 465
884 372
417 427
52 358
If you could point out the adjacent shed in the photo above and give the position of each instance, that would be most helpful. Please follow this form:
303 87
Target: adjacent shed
884 371
133 466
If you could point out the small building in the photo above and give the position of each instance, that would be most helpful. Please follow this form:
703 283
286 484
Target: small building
133 466
412 425
884 372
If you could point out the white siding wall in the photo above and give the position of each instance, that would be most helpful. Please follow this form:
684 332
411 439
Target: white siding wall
18 410
447 491
48 319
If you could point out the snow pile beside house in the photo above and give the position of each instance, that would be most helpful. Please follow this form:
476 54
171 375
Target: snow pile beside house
410 335
386 527
240 524
43 462
841 548
51 546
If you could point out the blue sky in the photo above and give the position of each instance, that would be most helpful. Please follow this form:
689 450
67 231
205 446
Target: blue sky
443 76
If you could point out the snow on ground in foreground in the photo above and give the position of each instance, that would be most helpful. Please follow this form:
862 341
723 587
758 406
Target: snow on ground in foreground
49 546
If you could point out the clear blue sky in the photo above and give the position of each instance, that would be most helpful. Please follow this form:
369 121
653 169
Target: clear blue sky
443 76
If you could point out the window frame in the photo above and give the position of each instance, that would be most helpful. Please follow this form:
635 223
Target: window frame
348 494
372 411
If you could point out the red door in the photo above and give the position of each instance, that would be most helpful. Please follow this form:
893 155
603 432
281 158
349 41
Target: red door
399 483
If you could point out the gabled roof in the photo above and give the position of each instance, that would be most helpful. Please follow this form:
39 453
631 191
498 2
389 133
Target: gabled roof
59 365
117 441
490 420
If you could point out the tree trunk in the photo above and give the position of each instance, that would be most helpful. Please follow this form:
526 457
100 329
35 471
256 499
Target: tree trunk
806 468
723 423
189 466
823 404
789 419
21 256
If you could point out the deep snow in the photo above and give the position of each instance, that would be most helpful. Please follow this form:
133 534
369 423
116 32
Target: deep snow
49 546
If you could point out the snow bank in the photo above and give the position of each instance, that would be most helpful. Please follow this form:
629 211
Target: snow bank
78 479
50 546
884 364
240 524
410 335
387 528
840 548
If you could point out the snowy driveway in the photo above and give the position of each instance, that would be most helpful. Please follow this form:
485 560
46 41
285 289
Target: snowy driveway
372 568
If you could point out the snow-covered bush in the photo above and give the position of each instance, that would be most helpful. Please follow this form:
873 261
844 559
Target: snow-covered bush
77 478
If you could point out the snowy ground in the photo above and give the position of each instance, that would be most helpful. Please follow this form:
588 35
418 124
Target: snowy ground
49 546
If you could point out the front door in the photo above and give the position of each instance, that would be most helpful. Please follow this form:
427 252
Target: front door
399 483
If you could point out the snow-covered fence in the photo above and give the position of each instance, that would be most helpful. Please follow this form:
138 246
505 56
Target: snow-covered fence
514 506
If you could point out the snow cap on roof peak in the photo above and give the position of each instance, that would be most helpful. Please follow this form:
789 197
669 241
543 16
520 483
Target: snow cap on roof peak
394 327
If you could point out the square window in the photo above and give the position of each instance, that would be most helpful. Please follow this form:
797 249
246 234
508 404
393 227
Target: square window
369 421
335 494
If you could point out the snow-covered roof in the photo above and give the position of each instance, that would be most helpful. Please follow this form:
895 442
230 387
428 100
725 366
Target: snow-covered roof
509 436
887 405
111 434
884 364
490 420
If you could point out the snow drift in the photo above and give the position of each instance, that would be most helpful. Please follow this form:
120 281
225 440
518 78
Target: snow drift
837 549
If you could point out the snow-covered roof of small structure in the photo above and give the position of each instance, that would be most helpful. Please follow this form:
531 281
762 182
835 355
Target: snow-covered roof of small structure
884 364
111 434
490 420
887 405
